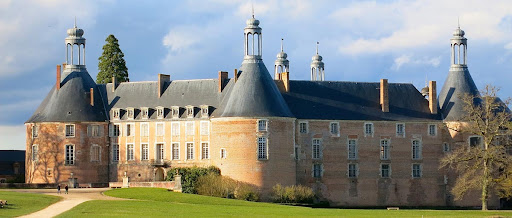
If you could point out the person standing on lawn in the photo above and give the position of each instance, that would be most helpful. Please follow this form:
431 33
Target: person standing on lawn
58 189
66 189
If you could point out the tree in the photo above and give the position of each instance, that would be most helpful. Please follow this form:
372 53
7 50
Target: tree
484 164
111 63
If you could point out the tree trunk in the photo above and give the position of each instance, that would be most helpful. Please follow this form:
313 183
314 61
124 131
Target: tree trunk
485 184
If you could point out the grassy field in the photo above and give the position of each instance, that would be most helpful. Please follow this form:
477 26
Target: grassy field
24 203
152 202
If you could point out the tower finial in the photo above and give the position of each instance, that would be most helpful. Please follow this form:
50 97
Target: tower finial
317 47
281 44
75 21
458 22
252 7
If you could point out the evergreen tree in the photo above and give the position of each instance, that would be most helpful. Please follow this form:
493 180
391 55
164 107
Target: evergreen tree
111 63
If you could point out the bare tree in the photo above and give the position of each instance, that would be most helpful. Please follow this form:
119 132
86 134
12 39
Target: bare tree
484 164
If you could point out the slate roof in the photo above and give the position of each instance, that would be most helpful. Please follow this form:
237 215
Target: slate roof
459 81
72 102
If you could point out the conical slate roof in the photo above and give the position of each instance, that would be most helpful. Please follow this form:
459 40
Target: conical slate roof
72 102
255 94
457 83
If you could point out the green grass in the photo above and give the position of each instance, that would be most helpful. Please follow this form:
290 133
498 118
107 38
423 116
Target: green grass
152 202
24 203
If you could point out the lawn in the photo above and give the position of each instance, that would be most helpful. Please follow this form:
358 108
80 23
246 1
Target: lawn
24 203
153 202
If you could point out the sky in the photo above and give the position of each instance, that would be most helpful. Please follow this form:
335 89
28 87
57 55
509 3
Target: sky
403 41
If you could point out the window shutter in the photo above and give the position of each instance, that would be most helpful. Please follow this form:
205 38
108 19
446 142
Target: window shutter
89 130
100 130
91 153
111 130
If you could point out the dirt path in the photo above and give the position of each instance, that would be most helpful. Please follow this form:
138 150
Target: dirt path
75 197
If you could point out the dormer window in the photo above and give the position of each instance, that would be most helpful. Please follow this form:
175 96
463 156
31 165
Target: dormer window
204 111
190 111
175 112
130 113
144 112
160 112
116 114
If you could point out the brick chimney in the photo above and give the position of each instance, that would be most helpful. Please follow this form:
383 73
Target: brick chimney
57 83
114 84
92 96
384 97
432 97
236 75
162 79
223 76
285 77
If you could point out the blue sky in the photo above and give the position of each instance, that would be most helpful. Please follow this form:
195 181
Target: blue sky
404 41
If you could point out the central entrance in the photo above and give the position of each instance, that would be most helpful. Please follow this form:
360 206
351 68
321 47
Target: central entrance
159 174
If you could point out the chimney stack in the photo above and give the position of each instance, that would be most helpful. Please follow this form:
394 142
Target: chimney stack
114 83
432 97
384 97
285 77
57 83
162 79
92 96
223 76
236 75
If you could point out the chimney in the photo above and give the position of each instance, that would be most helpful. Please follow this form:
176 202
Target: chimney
114 83
286 80
57 83
223 76
432 97
236 75
384 97
162 79
92 96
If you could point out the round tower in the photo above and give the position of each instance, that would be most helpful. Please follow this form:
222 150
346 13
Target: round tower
252 39
75 48
281 64
459 47
317 67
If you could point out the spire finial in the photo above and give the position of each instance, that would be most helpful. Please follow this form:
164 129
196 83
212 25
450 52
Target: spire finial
458 22
252 6
317 47
281 44
75 21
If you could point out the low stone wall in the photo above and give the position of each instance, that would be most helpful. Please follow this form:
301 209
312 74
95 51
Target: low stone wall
28 185
171 185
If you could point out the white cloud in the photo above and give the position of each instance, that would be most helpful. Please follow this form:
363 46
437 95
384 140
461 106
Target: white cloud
12 137
182 37
411 60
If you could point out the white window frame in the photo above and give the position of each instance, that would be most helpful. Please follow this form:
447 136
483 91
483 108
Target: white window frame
190 111
112 130
223 153
400 134
130 156
163 129
115 153
204 111
35 131
356 170
175 112
203 156
190 152
116 113
337 132
389 170
69 158
93 153
190 130
144 113
130 113
35 152
262 125
446 147
320 171
385 149
262 148
355 152
160 112
372 128
71 134
129 128
175 131
306 127
435 130
161 151
416 153
142 153
142 132
420 171
316 152
177 144
205 128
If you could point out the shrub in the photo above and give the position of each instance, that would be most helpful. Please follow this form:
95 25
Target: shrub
292 194
225 187
245 191
190 176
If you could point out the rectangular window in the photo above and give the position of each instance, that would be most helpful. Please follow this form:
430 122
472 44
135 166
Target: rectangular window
130 152
205 150
368 129
70 155
262 125
115 130
303 127
145 152
94 130
160 129
35 152
416 149
223 153
317 148
334 128
115 152
352 149
432 130
130 129
400 130
70 130
160 152
144 113
352 170
446 147
189 128
384 149
190 112
175 151
175 127
262 148
116 113
175 112
475 141
385 170
190 151
95 153
205 128
317 170
34 131
144 129
416 171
